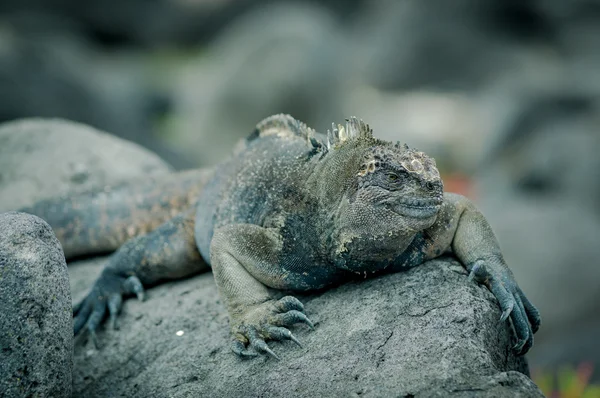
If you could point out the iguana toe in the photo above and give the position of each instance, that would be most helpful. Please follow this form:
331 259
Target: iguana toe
239 348
259 344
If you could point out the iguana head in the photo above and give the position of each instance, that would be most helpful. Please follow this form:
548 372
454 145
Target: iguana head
389 193
401 180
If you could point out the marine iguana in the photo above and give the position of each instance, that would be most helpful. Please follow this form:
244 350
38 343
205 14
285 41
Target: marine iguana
292 210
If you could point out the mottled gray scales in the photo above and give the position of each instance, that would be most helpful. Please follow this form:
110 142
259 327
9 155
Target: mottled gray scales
296 210
102 221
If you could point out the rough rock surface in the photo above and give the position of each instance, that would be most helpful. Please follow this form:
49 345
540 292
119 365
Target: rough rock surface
426 332
35 310
41 158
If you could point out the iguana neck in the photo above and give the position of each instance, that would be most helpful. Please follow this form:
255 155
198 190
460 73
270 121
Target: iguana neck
334 175
331 182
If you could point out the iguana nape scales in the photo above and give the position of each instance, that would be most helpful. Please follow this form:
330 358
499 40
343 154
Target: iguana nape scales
292 210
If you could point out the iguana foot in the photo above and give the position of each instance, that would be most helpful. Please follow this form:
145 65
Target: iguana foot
525 317
267 321
106 294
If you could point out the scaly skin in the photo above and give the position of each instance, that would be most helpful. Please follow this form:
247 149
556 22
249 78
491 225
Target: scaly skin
100 222
297 210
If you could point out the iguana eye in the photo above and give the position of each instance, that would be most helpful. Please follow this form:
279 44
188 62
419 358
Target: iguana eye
393 177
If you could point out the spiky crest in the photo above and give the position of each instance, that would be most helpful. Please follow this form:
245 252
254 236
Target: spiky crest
355 129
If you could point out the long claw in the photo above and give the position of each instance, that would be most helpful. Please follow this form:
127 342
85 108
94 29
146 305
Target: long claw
506 313
518 347
134 285
97 315
295 340
269 323
280 333
272 354
259 344
310 324
105 298
304 319
523 323
81 318
262 346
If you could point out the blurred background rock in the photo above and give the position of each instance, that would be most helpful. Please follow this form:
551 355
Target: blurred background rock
504 93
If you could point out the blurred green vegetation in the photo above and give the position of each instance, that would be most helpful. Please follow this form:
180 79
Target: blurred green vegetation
568 382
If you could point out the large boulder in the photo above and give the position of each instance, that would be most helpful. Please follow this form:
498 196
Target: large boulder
42 158
35 310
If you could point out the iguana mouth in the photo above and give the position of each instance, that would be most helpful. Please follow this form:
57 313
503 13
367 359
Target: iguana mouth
417 207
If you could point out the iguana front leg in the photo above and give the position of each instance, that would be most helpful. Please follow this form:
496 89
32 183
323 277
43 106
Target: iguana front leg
475 245
168 252
245 260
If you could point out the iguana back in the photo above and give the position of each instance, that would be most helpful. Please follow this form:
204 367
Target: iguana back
264 183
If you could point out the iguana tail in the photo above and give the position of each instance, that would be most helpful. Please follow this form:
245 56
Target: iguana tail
100 222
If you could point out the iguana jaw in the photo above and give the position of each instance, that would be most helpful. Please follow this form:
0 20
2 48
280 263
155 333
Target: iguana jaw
421 208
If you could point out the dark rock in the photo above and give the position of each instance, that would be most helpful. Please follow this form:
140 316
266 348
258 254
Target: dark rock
35 310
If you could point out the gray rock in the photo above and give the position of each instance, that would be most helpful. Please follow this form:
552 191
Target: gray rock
427 332
35 310
34 164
